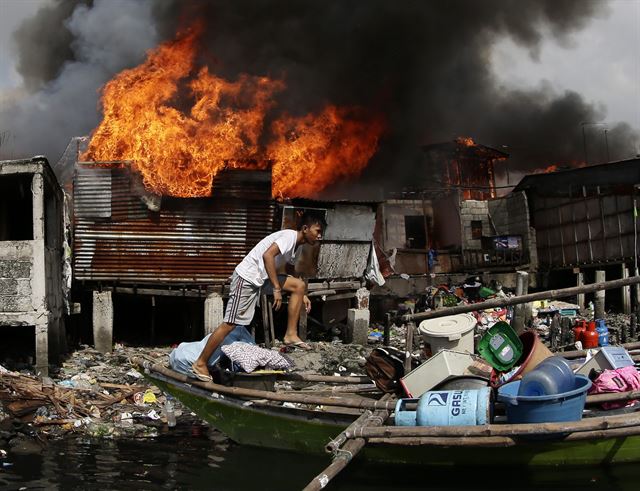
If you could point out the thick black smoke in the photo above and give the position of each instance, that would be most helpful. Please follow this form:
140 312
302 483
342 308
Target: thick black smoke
424 64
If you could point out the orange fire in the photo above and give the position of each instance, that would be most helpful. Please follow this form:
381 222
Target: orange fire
465 140
314 150
180 126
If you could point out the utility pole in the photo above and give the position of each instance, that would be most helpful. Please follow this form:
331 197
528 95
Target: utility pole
584 139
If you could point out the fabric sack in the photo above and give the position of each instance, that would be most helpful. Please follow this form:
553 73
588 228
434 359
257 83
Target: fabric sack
385 367
619 380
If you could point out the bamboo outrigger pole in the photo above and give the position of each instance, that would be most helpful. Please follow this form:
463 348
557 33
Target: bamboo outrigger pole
531 297
344 449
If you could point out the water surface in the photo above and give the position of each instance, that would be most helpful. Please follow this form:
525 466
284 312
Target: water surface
194 458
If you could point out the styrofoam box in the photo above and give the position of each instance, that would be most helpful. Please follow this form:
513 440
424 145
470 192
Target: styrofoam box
439 367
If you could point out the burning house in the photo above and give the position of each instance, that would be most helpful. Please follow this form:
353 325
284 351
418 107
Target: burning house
449 220
129 243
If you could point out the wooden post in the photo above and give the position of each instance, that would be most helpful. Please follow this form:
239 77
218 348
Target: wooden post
302 324
153 320
580 282
271 326
599 296
566 333
554 332
408 347
626 292
264 304
522 288
302 321
386 339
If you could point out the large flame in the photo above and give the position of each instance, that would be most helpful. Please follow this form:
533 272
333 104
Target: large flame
180 126
312 151
467 141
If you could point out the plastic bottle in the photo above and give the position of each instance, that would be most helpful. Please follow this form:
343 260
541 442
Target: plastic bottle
603 333
590 336
552 376
169 412
591 309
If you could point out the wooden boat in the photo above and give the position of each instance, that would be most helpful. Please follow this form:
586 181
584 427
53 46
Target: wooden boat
259 418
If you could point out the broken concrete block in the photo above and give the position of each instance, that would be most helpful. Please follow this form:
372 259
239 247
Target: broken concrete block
8 286
362 298
15 269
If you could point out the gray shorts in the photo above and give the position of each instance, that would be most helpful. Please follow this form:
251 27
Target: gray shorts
243 298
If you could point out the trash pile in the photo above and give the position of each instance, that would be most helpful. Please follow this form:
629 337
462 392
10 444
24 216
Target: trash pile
94 394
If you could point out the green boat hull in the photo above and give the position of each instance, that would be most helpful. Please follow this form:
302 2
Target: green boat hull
309 432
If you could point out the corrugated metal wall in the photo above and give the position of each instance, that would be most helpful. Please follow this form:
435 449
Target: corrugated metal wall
579 231
117 238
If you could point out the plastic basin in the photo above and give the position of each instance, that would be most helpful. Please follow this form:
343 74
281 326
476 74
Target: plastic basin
566 406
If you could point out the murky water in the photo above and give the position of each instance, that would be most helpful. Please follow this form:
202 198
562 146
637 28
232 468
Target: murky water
189 459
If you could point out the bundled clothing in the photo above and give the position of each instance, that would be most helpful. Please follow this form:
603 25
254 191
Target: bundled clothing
184 356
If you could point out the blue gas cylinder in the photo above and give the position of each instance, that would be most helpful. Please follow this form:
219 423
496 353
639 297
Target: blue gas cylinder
603 332
446 408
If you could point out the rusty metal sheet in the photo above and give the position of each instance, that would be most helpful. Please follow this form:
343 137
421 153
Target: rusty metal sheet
117 238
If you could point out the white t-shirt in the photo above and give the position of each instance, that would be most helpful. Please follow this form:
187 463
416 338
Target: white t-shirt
252 269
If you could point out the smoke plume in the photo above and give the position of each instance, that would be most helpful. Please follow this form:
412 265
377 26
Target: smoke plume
424 64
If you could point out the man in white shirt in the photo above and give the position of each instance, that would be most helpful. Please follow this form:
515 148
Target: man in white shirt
258 270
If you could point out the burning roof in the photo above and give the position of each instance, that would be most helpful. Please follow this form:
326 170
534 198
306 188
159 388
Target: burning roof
181 125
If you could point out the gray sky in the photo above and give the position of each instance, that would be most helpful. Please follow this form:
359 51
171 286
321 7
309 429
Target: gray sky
602 63
12 13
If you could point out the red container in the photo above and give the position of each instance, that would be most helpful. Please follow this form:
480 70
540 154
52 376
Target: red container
590 336
580 327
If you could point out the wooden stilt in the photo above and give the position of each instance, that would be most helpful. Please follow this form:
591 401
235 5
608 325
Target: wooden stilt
600 296
580 282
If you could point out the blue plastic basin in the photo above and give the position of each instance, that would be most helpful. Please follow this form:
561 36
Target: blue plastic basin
566 406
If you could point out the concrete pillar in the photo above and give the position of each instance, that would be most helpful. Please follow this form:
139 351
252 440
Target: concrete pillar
42 349
103 321
599 296
213 312
358 325
580 282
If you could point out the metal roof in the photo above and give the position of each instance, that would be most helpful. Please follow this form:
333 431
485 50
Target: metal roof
118 238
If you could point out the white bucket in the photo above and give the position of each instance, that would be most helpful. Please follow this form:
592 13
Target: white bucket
454 332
